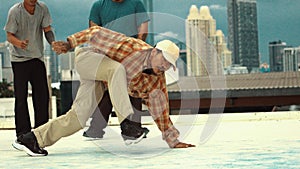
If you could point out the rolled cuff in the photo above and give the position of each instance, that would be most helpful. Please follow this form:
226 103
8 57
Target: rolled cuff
170 136
72 41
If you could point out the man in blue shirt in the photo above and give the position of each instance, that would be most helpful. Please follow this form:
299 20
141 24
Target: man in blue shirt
130 18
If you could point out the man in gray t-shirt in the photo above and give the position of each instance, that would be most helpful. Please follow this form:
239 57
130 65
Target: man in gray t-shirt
25 25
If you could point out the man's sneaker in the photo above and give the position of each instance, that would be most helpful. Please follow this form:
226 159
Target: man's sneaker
146 131
17 145
131 134
89 137
30 145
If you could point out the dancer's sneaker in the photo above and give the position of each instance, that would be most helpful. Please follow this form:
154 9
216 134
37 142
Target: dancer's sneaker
30 145
90 137
17 145
131 134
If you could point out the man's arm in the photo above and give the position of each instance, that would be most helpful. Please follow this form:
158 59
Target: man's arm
91 24
99 37
74 40
83 36
158 105
143 31
15 41
142 19
49 34
94 18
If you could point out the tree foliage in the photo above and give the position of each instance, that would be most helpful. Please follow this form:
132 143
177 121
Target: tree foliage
6 89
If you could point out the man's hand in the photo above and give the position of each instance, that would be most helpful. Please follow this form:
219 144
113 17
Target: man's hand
60 47
23 44
184 145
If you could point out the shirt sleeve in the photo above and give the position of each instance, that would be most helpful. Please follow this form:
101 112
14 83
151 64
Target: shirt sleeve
94 13
12 22
47 20
158 105
82 36
104 40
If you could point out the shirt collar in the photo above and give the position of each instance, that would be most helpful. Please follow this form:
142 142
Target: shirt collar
146 63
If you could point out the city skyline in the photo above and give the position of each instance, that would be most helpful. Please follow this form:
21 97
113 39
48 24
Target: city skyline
273 19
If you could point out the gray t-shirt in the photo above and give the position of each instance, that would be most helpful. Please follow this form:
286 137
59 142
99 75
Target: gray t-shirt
27 27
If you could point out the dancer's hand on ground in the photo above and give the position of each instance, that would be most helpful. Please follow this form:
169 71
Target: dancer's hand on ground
184 145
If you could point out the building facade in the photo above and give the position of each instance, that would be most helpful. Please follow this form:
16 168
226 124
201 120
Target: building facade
6 68
276 49
224 54
243 32
291 59
52 63
67 66
205 46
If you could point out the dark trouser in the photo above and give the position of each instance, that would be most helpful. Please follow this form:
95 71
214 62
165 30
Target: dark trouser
32 71
101 115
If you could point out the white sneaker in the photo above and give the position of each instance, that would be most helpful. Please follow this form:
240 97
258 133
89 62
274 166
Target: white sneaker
129 140
18 145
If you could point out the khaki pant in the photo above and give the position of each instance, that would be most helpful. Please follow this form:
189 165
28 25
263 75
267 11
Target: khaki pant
92 68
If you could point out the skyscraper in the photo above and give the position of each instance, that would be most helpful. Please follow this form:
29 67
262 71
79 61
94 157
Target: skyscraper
243 32
52 58
204 44
221 46
6 69
291 58
1 56
276 55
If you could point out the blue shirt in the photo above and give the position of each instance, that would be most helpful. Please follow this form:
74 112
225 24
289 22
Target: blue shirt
124 17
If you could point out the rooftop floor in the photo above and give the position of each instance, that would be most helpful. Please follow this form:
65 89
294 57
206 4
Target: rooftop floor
241 140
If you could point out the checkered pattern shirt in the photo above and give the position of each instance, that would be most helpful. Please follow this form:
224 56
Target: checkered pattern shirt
148 86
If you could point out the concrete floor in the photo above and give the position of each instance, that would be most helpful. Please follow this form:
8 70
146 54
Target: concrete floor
256 140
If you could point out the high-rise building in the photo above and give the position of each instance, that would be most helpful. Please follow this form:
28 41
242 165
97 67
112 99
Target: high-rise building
243 33
67 66
6 68
291 59
221 46
1 56
276 55
181 63
204 44
51 58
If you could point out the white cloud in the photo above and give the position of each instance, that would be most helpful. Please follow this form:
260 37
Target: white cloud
166 35
217 7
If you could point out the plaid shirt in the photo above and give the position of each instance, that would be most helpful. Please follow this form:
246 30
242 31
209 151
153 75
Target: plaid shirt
148 86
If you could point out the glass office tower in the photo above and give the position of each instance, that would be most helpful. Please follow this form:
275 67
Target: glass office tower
243 33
